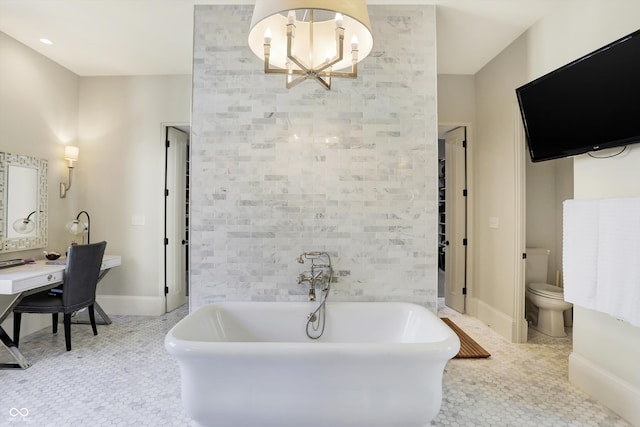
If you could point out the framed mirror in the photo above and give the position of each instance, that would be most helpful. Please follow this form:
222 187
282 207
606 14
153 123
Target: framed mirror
23 202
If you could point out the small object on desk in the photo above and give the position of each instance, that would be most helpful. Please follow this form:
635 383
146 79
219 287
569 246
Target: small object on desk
11 263
51 255
30 261
62 261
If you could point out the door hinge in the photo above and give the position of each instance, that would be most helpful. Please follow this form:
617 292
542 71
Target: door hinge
166 290
524 255
166 241
166 192
167 143
464 143
464 193
464 242
464 291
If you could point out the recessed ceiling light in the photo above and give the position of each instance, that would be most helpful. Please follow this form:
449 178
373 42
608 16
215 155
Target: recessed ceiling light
46 41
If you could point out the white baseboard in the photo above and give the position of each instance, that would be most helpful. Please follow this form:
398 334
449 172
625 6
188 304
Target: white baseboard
612 391
131 305
496 320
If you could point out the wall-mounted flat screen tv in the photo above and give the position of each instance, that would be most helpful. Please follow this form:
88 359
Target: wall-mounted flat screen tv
590 104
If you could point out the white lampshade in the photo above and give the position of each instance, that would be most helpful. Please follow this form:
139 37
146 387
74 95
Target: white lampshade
71 153
273 15
76 227
24 225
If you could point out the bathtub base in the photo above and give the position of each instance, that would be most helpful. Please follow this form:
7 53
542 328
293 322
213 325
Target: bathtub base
317 394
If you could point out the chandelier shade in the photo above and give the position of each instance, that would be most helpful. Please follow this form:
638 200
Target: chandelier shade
311 38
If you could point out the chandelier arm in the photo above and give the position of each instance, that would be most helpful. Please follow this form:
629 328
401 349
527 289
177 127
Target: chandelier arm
281 71
339 49
291 56
295 82
350 75
323 83
354 67
267 64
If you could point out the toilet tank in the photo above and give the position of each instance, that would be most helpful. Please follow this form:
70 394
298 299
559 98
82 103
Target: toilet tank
536 265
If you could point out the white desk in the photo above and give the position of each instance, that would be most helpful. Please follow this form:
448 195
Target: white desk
18 282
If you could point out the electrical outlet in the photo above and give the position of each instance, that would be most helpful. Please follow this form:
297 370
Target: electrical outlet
494 222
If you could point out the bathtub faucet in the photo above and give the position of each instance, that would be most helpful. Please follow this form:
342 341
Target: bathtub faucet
320 275
312 279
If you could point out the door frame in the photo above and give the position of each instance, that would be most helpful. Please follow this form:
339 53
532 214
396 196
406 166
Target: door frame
520 330
469 207
163 281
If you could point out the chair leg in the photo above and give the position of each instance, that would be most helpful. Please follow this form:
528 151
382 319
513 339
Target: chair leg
17 318
67 330
54 322
92 318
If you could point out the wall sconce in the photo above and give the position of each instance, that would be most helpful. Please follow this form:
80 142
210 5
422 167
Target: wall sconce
77 227
24 225
71 156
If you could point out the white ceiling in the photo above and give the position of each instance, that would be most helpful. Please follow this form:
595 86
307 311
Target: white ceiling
146 37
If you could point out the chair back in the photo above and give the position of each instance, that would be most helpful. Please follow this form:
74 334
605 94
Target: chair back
81 275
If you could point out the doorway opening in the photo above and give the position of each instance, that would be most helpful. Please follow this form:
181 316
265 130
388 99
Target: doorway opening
452 216
176 216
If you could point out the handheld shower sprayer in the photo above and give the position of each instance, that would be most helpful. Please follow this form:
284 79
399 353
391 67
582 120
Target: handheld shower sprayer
321 274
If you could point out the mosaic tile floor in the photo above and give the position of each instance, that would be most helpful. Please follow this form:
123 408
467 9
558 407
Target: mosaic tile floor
124 377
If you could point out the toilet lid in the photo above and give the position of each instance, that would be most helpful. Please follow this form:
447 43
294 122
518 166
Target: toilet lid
546 290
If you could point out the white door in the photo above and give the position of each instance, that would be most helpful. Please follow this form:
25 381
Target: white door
455 259
176 232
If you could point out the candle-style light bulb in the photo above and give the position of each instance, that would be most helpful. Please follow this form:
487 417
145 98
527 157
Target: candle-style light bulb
267 36
354 42
339 19
291 17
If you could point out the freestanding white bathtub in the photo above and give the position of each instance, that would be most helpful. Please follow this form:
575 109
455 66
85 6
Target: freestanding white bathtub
250 364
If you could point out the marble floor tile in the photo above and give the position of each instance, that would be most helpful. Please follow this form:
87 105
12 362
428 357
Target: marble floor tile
124 377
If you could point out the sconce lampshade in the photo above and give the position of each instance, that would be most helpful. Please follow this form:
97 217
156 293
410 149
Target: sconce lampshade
71 154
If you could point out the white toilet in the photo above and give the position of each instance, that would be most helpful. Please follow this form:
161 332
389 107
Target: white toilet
548 299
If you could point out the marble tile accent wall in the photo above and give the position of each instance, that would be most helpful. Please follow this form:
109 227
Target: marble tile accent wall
351 171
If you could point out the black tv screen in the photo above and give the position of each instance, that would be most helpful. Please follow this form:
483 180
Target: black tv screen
589 104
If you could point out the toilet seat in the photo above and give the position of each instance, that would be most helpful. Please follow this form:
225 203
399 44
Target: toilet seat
546 290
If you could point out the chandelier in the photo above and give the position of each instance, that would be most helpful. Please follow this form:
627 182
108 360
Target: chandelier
304 39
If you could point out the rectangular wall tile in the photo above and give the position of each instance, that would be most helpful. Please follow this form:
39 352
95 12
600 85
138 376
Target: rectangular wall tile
351 171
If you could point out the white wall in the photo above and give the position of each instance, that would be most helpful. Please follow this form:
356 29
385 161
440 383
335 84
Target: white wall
122 175
38 116
495 255
606 351
456 99
117 123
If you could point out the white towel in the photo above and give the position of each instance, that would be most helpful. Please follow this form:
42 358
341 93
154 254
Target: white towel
601 256
619 259
580 252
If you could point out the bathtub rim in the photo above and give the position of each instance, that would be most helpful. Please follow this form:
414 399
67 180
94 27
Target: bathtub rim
434 350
